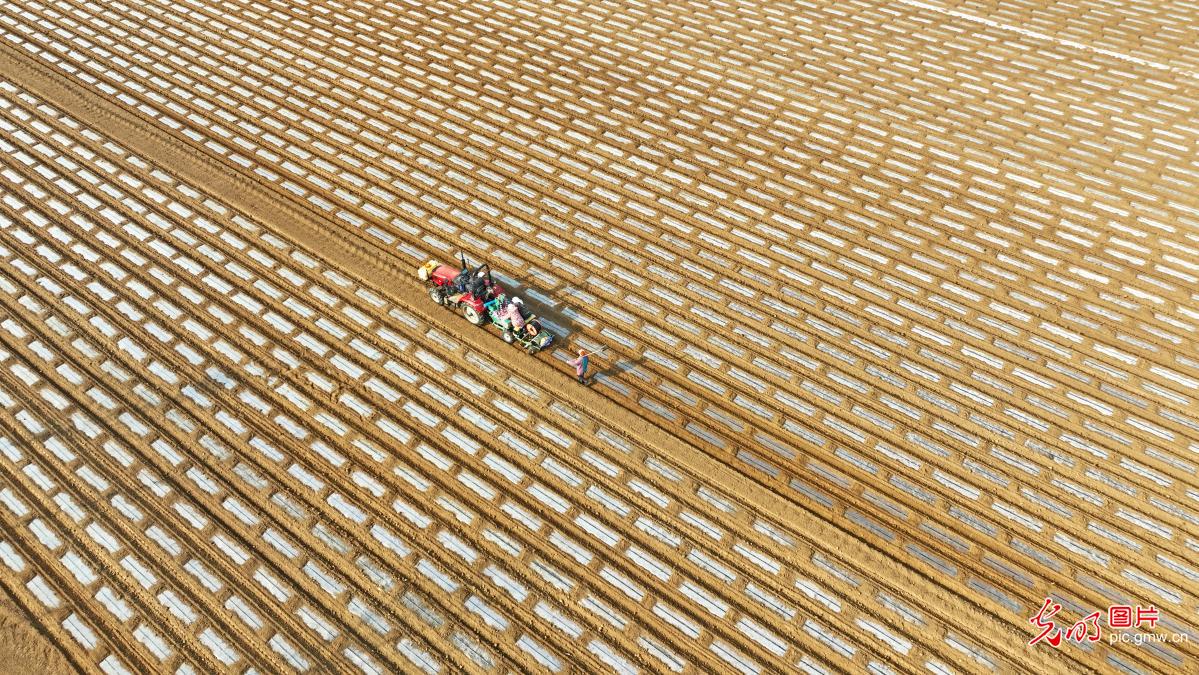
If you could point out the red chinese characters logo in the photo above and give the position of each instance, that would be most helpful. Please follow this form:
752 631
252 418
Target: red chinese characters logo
1046 623
1119 616
1147 615
1088 628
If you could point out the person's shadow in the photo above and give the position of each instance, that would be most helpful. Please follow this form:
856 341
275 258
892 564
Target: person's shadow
620 365
610 375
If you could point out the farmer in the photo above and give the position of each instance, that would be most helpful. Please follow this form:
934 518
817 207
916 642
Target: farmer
511 312
580 365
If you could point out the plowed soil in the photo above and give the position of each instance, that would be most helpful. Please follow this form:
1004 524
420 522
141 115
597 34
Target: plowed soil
897 303
23 649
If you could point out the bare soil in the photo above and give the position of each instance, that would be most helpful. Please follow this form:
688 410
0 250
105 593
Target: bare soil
24 649
895 352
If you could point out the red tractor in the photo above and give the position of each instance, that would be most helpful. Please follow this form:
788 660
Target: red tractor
482 301
461 289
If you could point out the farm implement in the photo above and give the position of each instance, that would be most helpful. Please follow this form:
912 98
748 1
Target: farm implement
482 301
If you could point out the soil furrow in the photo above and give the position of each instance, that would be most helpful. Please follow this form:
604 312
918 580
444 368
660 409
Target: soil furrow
214 472
372 435
358 256
123 580
941 547
108 420
516 103
532 170
1149 460
37 565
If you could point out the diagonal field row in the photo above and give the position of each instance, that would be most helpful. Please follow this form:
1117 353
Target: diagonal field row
1159 32
947 536
665 549
886 269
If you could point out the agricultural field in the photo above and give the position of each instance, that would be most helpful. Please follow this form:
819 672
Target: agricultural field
897 305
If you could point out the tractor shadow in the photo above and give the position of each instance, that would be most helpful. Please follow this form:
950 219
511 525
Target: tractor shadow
537 299
567 330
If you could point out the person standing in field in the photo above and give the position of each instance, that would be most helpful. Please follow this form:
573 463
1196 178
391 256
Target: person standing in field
580 365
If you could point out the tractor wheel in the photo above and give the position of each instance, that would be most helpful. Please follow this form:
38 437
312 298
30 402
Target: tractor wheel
436 295
509 337
471 315
532 349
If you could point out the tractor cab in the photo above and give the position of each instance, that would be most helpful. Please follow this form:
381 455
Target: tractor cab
462 281
477 283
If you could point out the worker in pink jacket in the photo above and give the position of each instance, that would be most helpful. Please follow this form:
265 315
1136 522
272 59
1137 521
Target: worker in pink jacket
580 365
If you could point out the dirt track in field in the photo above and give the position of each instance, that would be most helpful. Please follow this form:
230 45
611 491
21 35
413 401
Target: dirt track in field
898 350
23 649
